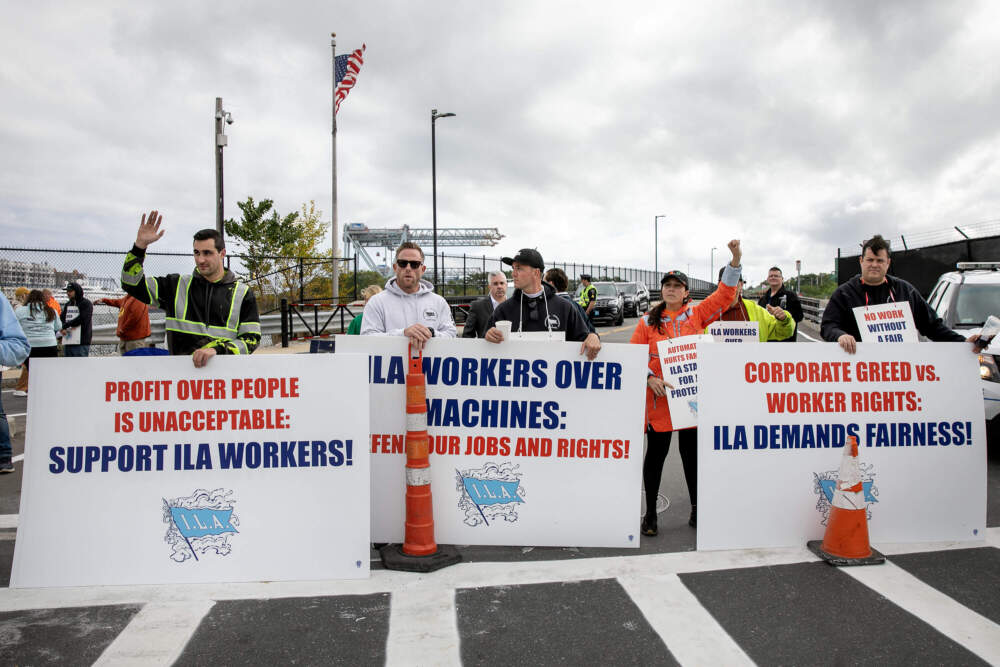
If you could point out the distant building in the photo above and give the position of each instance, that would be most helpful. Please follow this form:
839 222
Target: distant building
30 274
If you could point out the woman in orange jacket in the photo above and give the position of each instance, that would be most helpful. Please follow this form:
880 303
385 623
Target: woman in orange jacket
672 318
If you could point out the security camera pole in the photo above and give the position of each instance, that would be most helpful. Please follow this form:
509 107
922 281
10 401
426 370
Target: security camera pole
221 140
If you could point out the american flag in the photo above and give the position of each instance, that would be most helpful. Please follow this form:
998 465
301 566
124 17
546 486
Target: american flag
347 68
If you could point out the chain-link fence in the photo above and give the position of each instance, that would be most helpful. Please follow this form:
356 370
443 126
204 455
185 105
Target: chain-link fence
922 267
297 279
934 237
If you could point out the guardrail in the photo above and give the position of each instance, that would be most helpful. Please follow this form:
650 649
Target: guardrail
812 309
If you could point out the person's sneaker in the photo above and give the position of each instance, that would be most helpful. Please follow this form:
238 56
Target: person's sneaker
6 467
693 519
649 525
20 393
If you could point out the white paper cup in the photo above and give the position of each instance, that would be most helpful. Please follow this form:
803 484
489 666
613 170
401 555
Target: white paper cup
504 327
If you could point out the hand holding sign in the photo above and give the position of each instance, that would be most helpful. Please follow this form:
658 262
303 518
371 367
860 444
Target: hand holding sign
658 386
418 335
847 342
149 230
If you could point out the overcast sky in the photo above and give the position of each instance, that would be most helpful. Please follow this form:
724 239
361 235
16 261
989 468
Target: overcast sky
797 127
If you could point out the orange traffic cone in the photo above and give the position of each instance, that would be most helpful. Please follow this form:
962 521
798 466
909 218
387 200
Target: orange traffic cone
846 539
419 552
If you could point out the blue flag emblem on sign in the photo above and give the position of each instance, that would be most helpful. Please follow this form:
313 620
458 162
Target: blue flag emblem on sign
491 491
202 522
830 485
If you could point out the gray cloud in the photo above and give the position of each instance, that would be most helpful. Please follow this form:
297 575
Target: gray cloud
800 128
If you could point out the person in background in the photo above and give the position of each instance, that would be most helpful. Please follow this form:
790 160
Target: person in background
20 298
782 298
51 300
354 328
558 279
672 318
588 294
39 323
133 322
79 313
14 349
481 309
775 324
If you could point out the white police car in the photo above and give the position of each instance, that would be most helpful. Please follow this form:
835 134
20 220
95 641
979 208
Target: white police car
964 299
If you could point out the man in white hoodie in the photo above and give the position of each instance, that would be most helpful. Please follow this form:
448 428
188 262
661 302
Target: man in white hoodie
408 306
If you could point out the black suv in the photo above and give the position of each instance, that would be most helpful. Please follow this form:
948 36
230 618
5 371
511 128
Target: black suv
610 305
636 298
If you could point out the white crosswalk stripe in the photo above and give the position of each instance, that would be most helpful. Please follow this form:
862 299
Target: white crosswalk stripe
693 636
423 624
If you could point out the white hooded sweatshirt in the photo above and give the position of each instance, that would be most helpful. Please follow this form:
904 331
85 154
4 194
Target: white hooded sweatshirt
390 311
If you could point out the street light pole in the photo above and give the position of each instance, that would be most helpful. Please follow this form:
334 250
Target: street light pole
221 140
434 116
712 270
656 244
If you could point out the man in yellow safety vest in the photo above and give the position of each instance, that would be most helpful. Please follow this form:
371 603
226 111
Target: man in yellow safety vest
209 311
588 295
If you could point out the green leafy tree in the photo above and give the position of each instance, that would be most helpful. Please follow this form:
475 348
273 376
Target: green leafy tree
307 248
262 234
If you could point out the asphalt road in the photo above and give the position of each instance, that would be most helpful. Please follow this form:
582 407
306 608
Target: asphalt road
663 603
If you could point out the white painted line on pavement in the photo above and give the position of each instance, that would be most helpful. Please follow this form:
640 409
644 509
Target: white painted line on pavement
423 629
8 520
157 634
954 620
15 459
463 575
805 335
691 634
993 537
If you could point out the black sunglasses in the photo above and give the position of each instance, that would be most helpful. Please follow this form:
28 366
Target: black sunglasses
414 263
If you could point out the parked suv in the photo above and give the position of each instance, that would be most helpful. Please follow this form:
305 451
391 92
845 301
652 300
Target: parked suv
964 299
610 304
636 298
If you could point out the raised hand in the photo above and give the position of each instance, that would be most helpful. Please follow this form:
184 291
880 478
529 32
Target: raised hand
149 230
734 248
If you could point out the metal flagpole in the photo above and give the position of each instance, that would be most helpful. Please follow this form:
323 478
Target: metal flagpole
333 212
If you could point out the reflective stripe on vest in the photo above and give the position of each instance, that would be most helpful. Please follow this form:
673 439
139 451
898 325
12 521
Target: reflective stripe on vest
585 299
229 332
153 289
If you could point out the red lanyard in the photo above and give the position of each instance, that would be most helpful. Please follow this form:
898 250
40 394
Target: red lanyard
891 297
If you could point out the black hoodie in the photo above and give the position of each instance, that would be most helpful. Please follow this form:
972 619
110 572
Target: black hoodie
838 317
85 316
559 312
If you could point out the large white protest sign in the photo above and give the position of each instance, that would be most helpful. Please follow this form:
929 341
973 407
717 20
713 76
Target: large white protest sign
774 419
887 323
531 443
679 363
153 471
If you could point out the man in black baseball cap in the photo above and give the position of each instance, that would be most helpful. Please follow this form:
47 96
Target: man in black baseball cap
527 257
535 306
